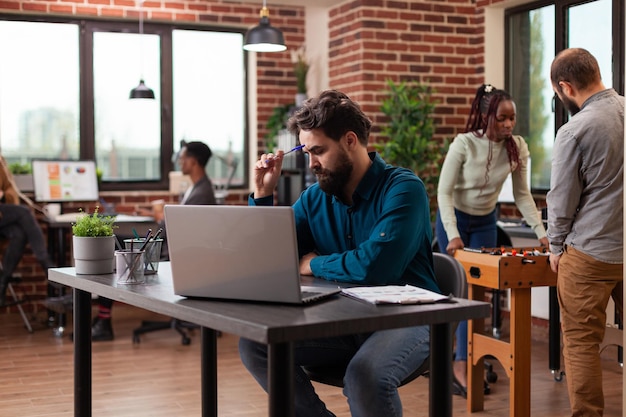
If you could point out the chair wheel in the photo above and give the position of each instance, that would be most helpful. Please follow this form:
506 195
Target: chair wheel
492 377
486 389
136 339
186 341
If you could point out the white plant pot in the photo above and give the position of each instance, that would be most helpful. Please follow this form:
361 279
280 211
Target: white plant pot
94 255
24 182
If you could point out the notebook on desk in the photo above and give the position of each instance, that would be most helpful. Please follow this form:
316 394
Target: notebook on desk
237 253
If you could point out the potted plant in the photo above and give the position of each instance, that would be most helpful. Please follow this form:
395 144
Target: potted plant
22 175
300 69
409 130
94 243
276 123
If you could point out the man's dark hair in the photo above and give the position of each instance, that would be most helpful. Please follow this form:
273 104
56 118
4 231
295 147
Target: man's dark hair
200 151
576 66
334 113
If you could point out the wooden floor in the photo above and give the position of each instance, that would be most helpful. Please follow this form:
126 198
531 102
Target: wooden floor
159 377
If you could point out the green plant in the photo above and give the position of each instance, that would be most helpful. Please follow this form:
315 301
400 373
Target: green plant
277 122
300 68
94 225
18 168
409 131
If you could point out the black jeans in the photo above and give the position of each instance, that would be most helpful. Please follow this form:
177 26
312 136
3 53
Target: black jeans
19 226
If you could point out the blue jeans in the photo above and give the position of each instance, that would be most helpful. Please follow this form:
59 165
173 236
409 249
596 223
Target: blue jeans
377 364
476 232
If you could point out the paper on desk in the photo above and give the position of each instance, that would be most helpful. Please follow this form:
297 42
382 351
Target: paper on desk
394 294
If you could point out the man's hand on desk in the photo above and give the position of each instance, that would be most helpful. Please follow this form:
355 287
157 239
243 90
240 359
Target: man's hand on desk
305 263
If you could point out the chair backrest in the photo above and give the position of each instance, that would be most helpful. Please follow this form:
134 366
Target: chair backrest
450 275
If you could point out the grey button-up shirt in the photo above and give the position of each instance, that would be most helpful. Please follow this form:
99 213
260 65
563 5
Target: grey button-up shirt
586 198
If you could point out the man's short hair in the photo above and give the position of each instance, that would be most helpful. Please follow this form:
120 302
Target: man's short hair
334 113
576 66
200 151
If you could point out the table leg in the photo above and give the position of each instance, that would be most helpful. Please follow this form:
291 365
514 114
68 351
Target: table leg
281 379
476 368
209 371
440 380
82 353
554 340
519 388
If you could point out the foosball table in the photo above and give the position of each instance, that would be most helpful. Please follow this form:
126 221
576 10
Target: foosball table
519 270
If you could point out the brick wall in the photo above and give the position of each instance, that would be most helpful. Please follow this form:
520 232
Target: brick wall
431 41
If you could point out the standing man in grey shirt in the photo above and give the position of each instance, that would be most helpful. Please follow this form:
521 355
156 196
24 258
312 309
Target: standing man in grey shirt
585 220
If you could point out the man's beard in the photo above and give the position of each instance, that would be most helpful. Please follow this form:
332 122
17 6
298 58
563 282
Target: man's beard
571 107
334 182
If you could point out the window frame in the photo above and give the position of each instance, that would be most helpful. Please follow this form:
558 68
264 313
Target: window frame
560 43
87 28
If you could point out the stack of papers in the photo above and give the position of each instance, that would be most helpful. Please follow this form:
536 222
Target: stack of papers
395 294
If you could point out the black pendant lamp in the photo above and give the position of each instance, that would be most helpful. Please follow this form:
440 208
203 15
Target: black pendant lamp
264 37
142 90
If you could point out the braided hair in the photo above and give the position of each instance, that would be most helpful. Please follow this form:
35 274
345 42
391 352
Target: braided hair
483 116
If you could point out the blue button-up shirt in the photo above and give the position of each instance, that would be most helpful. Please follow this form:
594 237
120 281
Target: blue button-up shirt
383 238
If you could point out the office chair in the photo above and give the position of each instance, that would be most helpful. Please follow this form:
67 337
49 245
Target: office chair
451 279
18 303
180 326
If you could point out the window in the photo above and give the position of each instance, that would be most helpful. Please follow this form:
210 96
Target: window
68 97
532 44
39 91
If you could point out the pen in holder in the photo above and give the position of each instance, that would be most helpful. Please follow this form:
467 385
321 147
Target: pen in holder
129 265
152 254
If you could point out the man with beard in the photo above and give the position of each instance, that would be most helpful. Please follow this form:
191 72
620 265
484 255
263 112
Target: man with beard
363 222
585 220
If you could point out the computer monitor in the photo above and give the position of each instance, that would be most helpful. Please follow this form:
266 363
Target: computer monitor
59 180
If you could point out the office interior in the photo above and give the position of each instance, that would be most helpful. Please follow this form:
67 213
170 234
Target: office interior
352 46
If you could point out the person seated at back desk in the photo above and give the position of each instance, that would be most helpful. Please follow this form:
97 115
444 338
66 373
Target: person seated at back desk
364 222
19 226
193 159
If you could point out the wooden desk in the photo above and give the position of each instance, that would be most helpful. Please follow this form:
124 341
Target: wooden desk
276 325
519 274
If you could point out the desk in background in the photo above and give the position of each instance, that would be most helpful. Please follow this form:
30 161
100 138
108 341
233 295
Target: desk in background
276 325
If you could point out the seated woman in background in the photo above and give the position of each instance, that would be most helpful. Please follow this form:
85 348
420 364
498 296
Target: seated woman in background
19 226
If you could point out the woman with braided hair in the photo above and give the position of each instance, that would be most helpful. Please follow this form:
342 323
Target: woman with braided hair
476 166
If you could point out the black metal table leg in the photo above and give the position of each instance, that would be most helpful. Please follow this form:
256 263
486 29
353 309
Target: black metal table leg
209 371
440 379
554 340
82 353
281 379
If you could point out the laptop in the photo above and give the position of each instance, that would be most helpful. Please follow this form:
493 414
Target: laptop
237 253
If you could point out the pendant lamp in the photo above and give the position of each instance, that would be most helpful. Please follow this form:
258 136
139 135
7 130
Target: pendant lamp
141 91
264 37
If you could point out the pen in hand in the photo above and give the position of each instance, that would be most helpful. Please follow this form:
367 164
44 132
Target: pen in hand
271 157
297 148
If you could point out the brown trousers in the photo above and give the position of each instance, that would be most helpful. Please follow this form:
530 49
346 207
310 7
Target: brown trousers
584 287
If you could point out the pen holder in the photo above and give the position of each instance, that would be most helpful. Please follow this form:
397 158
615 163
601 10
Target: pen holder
129 266
152 254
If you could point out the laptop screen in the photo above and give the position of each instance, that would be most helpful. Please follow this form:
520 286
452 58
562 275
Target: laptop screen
59 180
